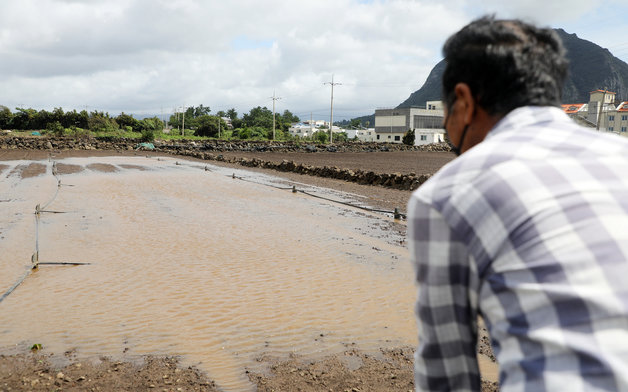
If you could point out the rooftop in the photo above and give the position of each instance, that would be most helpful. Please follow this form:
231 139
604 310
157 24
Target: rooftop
572 107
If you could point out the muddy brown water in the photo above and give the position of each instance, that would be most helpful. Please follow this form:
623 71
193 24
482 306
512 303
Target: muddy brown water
186 260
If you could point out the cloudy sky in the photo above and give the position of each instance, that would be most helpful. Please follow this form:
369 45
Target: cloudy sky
151 56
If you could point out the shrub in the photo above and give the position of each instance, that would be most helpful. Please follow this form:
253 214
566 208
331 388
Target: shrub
80 133
320 136
55 128
408 138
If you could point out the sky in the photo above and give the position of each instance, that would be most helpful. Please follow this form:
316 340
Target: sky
154 56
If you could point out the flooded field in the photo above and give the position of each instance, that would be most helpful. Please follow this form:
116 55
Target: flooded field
187 260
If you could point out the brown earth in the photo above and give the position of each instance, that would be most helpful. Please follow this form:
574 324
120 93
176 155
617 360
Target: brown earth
404 162
389 370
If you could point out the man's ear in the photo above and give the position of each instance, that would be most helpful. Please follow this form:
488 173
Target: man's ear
466 102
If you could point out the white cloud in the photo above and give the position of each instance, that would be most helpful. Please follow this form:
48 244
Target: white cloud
142 55
541 12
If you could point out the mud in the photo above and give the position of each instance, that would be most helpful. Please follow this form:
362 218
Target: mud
418 163
134 167
28 171
352 370
44 372
102 167
65 168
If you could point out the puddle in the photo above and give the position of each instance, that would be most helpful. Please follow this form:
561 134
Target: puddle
186 260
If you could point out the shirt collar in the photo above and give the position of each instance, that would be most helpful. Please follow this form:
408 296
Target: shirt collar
527 116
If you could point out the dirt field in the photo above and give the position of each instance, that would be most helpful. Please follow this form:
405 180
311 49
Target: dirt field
389 370
404 162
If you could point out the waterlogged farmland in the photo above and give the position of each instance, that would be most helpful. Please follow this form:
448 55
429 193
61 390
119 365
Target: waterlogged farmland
188 260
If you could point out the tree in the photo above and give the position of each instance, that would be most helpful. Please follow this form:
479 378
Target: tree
341 137
251 133
125 120
290 118
24 119
355 123
320 136
199 111
258 117
57 115
5 117
208 125
55 128
101 122
408 138
232 114
148 127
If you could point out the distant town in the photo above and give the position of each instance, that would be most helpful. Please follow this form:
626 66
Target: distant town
410 125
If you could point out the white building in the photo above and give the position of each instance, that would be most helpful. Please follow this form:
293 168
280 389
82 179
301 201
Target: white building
307 129
617 119
302 129
363 135
428 136
427 123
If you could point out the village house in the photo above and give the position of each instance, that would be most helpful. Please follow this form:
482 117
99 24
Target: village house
601 112
308 128
427 123
363 135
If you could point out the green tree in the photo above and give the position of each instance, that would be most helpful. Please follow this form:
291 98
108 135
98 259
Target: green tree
341 137
355 123
23 119
82 119
232 114
101 122
199 111
408 138
257 133
208 125
320 136
290 118
258 117
5 117
126 120
41 120
55 128
175 120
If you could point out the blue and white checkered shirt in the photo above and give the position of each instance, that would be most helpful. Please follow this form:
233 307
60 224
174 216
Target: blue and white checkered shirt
528 229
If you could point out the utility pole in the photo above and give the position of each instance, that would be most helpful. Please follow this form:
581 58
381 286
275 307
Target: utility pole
311 125
183 124
274 99
331 116
176 111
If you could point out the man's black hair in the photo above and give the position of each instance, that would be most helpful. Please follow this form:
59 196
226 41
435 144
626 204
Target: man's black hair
506 63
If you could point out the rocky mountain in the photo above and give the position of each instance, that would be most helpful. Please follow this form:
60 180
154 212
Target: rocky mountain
591 67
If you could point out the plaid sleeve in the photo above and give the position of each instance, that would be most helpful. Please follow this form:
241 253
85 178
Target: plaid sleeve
446 356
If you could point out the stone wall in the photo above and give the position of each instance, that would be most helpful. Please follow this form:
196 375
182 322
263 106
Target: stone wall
210 150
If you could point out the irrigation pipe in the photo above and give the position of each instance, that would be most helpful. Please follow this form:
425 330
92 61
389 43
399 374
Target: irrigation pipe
396 214
35 263
19 281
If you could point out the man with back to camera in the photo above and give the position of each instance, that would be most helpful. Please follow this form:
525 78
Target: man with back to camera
528 228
